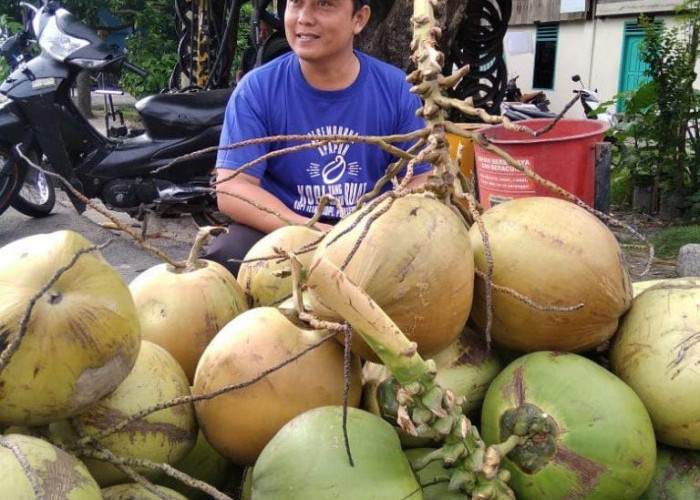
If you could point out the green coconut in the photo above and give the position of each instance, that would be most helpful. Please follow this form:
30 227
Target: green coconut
239 423
307 459
657 352
413 258
557 255
677 475
82 337
261 279
57 475
584 434
165 436
134 491
434 478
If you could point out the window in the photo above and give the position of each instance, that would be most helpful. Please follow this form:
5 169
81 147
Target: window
545 56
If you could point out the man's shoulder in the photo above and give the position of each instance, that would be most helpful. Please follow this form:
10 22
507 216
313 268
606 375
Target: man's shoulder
269 72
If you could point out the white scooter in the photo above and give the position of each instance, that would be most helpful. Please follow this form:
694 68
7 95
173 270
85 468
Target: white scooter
591 102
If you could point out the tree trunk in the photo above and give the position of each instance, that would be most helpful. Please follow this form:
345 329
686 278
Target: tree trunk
84 100
472 33
389 32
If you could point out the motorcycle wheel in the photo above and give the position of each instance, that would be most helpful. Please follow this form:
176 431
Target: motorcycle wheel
36 196
9 174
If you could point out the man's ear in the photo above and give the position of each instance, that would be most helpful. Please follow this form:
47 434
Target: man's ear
361 18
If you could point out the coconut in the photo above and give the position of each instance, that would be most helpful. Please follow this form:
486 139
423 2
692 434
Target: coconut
307 459
134 491
82 337
415 261
677 475
56 474
465 367
182 309
582 432
240 423
165 436
657 352
261 279
205 464
559 256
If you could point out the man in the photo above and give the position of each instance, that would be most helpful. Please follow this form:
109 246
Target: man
322 87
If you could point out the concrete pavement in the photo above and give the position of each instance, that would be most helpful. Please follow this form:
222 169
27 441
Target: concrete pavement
172 235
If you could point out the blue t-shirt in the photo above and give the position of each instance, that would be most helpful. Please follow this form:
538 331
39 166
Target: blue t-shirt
275 99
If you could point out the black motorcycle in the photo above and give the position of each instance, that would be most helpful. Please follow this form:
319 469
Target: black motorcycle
36 196
125 174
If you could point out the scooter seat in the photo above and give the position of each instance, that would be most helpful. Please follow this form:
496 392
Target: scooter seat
167 116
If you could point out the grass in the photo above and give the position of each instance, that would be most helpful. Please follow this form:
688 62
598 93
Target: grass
667 242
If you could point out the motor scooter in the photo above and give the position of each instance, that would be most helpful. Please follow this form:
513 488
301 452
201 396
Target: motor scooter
591 103
36 195
125 174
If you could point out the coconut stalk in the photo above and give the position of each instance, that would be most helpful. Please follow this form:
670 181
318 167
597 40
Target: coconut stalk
425 408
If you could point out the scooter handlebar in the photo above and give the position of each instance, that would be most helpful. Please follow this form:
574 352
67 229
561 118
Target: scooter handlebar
134 69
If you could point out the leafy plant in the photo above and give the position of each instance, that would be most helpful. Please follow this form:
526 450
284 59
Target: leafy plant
660 138
668 242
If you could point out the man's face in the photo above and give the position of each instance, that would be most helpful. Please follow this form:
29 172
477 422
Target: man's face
320 30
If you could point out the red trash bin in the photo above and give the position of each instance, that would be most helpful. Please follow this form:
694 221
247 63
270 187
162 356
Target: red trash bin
565 155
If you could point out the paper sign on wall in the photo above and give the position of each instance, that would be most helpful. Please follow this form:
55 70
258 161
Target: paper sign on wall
519 42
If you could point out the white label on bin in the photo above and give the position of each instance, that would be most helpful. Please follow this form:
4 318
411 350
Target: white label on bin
495 176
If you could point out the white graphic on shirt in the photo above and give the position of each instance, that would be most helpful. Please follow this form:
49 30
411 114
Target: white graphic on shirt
334 170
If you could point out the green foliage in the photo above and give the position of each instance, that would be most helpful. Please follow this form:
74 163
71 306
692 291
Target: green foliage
10 26
620 187
668 242
152 47
660 137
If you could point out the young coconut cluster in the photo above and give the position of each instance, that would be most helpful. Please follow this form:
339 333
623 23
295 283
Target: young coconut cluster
394 282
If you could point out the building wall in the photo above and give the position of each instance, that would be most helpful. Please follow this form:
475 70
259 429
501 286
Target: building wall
591 49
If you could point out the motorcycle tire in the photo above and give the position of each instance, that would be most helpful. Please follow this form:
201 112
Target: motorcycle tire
36 196
9 179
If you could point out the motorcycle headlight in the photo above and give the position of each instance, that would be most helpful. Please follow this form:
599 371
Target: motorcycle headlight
57 44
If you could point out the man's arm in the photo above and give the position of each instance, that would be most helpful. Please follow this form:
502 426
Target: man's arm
248 187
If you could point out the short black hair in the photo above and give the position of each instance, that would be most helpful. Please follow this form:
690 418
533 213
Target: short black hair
360 3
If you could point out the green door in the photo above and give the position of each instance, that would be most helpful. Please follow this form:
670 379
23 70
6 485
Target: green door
632 68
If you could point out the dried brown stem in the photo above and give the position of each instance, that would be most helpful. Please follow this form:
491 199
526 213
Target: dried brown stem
322 204
135 236
12 347
528 301
390 173
204 397
488 276
383 142
370 220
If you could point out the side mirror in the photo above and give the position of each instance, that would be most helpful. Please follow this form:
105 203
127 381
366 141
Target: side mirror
576 78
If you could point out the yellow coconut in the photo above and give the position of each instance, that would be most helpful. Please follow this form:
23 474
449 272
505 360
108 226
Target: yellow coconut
165 436
182 309
657 352
260 279
412 255
240 423
557 255
82 337
55 473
